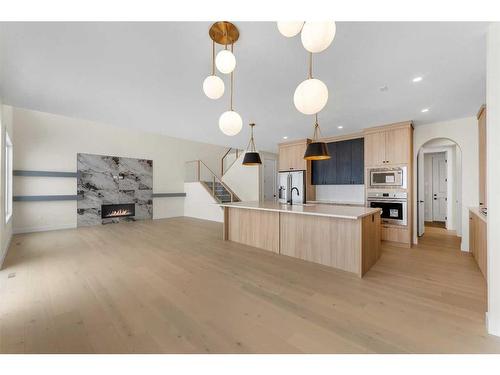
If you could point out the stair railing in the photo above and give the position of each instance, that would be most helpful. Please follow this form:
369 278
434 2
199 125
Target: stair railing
229 159
198 171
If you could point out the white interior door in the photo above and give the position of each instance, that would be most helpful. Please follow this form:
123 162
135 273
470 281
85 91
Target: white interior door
439 187
270 179
427 172
420 195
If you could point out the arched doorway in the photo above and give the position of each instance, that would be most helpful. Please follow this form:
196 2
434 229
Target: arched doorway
439 186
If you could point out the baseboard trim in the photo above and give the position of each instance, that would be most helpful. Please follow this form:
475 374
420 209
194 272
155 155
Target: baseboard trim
43 229
5 251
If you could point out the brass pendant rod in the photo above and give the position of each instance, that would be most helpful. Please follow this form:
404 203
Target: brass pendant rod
317 130
232 79
310 65
231 96
213 58
251 143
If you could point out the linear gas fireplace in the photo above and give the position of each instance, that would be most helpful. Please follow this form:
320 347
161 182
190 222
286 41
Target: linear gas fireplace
117 210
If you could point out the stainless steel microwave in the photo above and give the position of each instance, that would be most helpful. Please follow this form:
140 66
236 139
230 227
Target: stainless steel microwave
388 177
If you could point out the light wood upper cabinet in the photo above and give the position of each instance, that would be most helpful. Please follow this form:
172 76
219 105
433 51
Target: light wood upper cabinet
397 146
481 117
388 145
291 156
375 148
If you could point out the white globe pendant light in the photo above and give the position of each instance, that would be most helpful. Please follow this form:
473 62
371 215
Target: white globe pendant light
213 87
290 28
310 96
230 123
317 36
225 61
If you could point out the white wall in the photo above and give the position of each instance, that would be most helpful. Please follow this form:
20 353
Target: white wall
493 183
465 134
199 203
50 142
5 227
341 193
244 180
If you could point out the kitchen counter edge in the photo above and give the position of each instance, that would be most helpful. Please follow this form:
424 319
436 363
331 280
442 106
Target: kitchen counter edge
248 205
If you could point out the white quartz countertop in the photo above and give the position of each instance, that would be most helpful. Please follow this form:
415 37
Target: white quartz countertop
315 209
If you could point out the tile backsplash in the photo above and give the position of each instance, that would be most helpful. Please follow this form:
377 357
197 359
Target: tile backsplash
341 193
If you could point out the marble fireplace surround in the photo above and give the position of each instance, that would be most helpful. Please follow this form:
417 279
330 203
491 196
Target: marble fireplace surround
113 180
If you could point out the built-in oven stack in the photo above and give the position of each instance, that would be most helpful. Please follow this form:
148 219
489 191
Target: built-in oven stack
394 206
388 189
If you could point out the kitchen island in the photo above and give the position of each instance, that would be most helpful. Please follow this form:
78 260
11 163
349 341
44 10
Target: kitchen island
343 237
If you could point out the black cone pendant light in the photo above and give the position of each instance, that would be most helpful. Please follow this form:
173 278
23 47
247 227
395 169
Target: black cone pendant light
251 157
316 150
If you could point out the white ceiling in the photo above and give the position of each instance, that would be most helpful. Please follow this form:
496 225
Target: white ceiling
149 76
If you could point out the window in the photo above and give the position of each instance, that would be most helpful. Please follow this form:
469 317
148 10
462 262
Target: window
8 178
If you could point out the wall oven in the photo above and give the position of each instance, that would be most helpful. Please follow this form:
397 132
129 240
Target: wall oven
388 177
394 206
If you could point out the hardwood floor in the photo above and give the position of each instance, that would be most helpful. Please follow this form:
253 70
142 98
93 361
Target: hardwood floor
173 286
436 224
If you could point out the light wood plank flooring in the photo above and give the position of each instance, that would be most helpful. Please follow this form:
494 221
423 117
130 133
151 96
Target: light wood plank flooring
173 286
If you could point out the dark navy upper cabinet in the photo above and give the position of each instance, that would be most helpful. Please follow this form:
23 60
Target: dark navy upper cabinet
343 163
329 167
346 166
358 161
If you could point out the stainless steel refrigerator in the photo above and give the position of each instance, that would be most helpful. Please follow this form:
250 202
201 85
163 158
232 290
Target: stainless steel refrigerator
292 187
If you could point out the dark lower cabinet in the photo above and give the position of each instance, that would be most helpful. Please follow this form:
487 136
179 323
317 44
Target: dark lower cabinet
346 166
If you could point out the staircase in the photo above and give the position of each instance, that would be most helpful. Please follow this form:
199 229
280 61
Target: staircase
220 192
197 171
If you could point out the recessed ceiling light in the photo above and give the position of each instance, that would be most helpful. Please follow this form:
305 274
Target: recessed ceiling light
340 127
285 137
417 79
425 110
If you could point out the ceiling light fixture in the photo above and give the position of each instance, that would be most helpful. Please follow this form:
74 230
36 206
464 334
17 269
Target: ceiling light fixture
213 86
251 157
417 79
290 28
316 150
285 137
340 127
317 36
425 110
311 95
230 122
224 33
225 61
